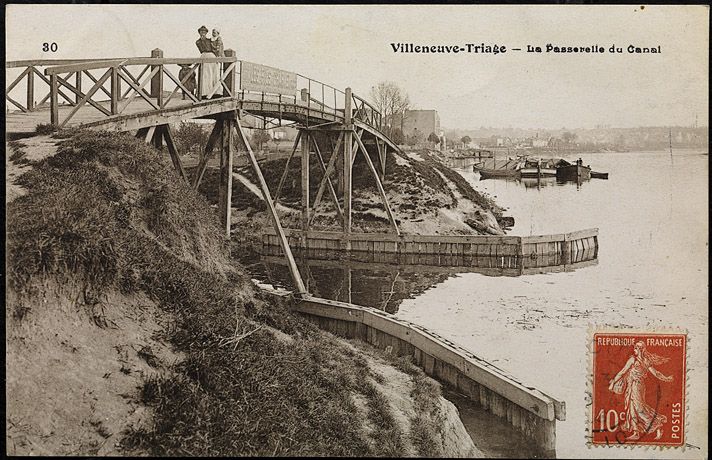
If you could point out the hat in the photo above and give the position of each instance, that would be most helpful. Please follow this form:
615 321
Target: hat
203 28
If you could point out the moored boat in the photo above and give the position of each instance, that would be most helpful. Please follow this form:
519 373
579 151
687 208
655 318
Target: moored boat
536 167
492 173
599 175
493 168
568 171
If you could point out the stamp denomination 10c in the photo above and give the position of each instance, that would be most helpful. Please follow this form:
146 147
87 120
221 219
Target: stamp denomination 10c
638 394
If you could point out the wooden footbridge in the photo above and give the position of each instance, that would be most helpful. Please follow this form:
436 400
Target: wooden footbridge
145 95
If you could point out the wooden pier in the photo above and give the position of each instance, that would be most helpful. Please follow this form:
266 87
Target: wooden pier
438 250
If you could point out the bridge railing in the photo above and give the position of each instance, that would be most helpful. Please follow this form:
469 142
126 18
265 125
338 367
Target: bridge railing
30 88
119 82
111 86
366 112
316 95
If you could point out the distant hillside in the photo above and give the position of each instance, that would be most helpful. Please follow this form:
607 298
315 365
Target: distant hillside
650 138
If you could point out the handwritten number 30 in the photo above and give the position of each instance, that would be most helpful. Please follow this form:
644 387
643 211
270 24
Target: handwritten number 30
49 47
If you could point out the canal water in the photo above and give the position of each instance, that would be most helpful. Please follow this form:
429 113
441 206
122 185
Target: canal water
651 273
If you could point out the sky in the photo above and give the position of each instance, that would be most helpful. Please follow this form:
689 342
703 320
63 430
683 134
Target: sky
350 46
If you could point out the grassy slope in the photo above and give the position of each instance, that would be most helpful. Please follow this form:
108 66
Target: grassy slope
107 216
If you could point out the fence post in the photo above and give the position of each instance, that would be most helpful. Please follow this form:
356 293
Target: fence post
115 90
156 86
54 100
230 76
78 84
31 89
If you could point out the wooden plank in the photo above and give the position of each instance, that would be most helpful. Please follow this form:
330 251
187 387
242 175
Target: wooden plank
78 95
286 166
227 148
543 238
381 191
332 191
305 183
337 312
173 152
209 146
347 170
581 234
86 97
294 271
329 169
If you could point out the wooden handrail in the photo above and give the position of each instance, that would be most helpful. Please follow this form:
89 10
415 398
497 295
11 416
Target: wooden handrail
98 64
51 62
81 66
366 112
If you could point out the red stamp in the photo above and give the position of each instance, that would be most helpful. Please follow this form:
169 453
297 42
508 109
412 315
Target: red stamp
638 395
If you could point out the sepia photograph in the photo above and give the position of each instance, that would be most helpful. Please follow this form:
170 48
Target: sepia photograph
357 230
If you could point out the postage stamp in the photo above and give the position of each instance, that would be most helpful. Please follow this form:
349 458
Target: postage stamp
638 394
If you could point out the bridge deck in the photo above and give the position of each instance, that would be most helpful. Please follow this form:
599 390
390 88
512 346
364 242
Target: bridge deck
140 114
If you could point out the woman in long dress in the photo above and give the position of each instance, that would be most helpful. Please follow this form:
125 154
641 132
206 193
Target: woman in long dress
640 417
209 72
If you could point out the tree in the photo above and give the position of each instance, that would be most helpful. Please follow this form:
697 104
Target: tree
414 138
259 137
191 137
466 140
391 101
398 136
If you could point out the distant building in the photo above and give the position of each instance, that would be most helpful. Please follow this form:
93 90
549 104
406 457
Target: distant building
540 142
420 122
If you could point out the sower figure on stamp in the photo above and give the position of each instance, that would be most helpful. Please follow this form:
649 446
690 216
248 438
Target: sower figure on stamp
189 83
641 418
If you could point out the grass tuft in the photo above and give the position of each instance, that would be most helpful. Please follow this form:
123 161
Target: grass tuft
45 128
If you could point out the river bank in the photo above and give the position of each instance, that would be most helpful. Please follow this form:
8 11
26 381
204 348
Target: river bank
426 197
130 331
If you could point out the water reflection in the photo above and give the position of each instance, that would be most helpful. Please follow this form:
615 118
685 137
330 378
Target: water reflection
538 182
383 281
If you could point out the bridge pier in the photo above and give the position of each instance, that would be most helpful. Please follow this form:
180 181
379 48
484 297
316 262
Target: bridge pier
267 196
227 147
348 165
305 181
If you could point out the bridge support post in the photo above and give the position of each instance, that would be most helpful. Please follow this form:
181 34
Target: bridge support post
54 100
78 85
205 154
348 139
230 77
227 146
173 151
158 78
31 89
305 186
284 244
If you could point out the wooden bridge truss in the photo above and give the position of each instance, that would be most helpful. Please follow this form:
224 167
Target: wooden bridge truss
145 95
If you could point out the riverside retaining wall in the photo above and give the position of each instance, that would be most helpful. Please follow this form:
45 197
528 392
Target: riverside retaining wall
529 411
458 250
